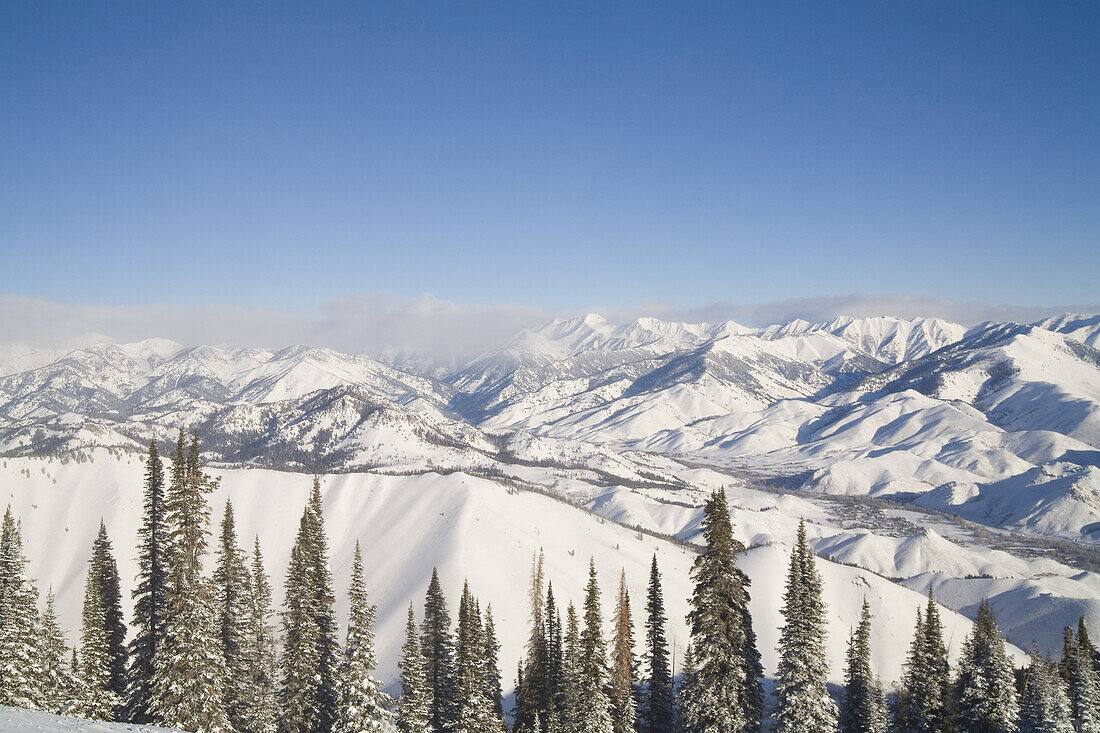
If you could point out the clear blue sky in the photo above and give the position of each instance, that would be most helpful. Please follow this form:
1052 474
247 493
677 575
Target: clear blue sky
550 154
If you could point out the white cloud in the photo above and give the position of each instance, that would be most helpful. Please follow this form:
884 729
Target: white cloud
433 330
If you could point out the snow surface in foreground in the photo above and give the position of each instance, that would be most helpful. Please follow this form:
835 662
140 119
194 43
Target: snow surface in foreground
17 720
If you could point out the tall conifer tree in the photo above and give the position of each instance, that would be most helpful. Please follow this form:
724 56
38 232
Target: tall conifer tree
594 706
623 682
803 704
474 706
532 699
437 648
61 689
725 695
231 597
362 702
985 689
862 705
492 667
190 674
150 600
659 714
1045 706
260 707
414 705
99 700
20 659
924 698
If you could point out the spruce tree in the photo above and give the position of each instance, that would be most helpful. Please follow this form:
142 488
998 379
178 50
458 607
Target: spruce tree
1045 706
231 596
985 688
659 714
492 668
99 701
437 648
924 697
555 662
60 687
20 658
260 707
1084 687
725 695
803 704
189 667
623 681
474 706
533 698
150 600
362 702
106 575
594 706
572 671
414 705
862 705
309 692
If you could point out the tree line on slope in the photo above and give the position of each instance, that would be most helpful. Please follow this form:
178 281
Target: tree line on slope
203 655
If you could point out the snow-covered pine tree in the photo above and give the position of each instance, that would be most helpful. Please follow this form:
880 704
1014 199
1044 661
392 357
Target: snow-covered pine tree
555 662
414 705
594 706
189 667
924 696
437 648
99 701
532 699
105 570
1084 688
492 668
474 713
309 693
362 702
60 687
231 595
1045 706
862 704
985 687
803 704
572 670
20 658
659 715
624 679
328 657
149 594
301 647
260 706
725 695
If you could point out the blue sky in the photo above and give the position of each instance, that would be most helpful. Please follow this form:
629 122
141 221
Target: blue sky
553 155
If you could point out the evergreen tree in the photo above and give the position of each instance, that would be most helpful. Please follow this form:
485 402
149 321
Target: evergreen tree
658 706
1084 687
474 706
310 697
150 593
862 706
725 695
437 648
492 668
803 704
260 707
924 697
60 687
1045 707
555 662
623 681
189 666
532 696
20 659
106 575
99 701
414 705
985 689
572 671
594 706
362 702
231 595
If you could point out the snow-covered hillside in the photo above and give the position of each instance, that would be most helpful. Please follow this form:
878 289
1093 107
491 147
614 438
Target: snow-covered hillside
20 720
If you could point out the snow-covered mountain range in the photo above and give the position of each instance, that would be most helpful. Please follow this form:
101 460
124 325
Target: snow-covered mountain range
923 454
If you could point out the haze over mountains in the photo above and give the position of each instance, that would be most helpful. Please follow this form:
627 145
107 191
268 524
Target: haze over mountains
884 433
